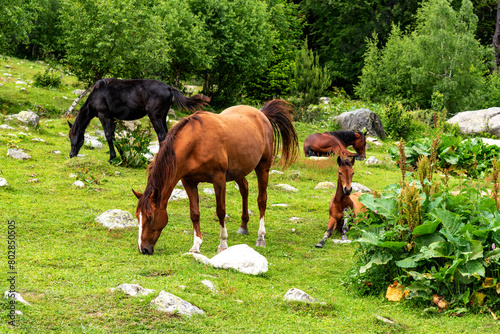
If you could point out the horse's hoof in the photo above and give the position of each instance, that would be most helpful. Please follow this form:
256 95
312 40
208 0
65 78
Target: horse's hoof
242 231
220 249
261 243
319 245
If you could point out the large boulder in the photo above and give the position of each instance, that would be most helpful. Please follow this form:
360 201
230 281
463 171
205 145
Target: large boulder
476 121
360 119
29 118
242 258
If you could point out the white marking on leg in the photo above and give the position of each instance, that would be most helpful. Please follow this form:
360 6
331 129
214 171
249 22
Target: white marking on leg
140 231
262 229
223 238
196 244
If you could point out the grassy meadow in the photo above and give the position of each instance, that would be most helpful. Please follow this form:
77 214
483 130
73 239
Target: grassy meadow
66 262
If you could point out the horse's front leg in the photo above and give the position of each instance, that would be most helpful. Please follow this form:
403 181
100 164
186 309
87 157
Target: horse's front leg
335 217
220 198
262 172
243 186
194 209
108 125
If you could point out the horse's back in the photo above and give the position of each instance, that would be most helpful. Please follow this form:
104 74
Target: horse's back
358 206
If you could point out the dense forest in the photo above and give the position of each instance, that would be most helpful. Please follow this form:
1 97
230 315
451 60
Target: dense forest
413 51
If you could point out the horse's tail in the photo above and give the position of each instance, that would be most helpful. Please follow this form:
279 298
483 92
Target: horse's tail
192 103
280 114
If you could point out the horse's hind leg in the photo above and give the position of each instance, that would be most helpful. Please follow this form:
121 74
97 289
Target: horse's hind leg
262 171
219 183
243 186
194 208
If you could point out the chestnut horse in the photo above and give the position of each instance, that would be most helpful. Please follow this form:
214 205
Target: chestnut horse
336 142
343 198
129 100
207 147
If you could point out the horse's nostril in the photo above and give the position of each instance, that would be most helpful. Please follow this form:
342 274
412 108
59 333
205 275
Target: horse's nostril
145 251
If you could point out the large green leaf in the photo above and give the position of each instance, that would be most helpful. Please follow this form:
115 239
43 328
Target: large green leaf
472 269
409 262
427 228
451 221
377 259
386 207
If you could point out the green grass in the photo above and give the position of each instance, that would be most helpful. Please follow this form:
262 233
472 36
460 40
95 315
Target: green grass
67 262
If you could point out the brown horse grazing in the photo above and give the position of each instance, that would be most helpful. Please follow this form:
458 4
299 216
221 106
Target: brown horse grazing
343 198
336 142
207 147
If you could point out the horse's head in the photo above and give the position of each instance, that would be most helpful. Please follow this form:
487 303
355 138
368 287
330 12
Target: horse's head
77 139
152 220
359 145
345 173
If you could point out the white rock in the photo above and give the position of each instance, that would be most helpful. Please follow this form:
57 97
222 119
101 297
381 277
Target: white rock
134 290
99 133
78 184
29 118
209 285
490 141
172 304
19 82
17 297
17 154
295 219
39 140
476 121
154 147
62 134
318 158
72 175
299 295
93 143
372 161
325 185
239 257
117 219
5 126
17 312
282 205
357 187
178 194
148 156
274 171
324 100
374 141
79 91
3 182
56 152
209 191
287 187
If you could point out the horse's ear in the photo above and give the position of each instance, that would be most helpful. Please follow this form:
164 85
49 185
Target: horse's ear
353 159
153 198
70 125
137 194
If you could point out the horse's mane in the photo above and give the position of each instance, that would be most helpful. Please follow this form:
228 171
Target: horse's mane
346 136
164 166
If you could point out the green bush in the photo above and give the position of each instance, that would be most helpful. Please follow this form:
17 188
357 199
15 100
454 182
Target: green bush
447 247
132 146
49 78
397 121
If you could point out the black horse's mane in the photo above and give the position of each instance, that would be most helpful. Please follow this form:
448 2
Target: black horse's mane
347 137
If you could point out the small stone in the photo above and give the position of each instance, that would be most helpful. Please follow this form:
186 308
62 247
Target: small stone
29 118
5 126
33 181
72 175
209 191
325 185
78 184
16 296
357 187
3 182
18 154
299 295
293 230
93 143
117 173
21 82
172 304
117 219
62 134
275 172
372 161
295 219
39 140
280 205
287 187
209 285
178 194
134 290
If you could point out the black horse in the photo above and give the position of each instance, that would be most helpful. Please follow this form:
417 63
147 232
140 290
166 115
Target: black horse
128 100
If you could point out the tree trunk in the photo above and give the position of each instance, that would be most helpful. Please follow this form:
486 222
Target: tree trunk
78 99
496 39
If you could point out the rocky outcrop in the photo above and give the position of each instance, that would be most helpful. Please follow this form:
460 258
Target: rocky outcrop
361 119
